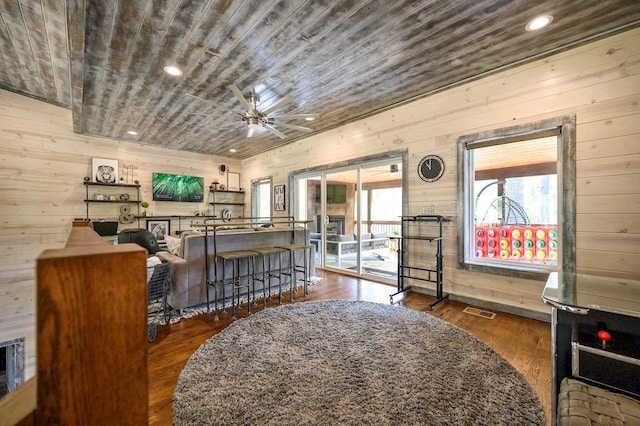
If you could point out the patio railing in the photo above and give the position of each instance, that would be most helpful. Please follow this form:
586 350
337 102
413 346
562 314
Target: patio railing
390 227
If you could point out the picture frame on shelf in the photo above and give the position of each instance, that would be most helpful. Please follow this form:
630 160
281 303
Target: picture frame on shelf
233 181
104 170
279 198
159 228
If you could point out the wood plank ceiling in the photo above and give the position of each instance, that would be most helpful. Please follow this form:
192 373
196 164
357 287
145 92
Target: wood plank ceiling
341 59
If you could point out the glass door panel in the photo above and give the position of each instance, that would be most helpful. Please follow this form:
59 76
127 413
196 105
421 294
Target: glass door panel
340 218
382 207
309 207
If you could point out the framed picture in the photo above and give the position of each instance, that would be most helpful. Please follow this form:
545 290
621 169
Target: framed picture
159 228
233 181
104 170
278 198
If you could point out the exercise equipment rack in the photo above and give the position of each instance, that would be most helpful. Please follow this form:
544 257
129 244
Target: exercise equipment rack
406 271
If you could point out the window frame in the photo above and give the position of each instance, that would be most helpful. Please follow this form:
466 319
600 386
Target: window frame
255 183
564 128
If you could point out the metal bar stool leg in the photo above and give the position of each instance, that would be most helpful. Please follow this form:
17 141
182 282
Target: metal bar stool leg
224 282
280 280
234 288
236 279
251 282
214 284
224 297
306 260
293 269
279 276
269 255
294 275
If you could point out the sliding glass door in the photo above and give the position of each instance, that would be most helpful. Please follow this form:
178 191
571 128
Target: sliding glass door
354 212
340 203
381 201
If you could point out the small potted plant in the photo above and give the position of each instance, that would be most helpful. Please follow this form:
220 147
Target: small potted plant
144 205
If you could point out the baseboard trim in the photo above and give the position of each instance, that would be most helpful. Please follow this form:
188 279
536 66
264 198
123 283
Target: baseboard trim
526 313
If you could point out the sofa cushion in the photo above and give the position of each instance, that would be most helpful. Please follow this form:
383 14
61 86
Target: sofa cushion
366 245
380 244
347 248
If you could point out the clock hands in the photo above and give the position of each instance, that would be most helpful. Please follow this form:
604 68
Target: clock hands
431 168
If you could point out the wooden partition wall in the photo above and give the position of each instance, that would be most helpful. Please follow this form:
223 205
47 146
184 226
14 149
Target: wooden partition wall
91 336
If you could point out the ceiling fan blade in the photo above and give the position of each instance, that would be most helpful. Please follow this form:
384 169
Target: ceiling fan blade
291 126
302 116
241 98
282 102
200 99
274 131
205 114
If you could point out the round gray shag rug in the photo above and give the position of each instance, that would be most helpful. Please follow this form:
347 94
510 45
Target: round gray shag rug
350 363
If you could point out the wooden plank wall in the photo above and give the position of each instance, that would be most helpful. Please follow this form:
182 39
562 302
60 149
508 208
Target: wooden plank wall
43 164
599 82
41 187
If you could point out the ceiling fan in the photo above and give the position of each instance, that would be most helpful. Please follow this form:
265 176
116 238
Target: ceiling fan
256 118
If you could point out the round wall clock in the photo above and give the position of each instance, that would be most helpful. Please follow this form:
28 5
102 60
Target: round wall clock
431 168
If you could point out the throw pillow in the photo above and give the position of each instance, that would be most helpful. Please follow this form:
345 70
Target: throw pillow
173 244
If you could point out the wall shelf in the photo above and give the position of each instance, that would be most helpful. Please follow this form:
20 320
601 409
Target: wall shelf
227 204
132 192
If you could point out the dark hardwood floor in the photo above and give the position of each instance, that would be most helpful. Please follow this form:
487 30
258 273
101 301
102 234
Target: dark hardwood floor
525 343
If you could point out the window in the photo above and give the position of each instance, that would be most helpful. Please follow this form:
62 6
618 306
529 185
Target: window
261 198
517 184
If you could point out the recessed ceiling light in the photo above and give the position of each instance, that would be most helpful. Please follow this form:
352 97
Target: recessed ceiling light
132 132
539 22
310 118
173 70
233 150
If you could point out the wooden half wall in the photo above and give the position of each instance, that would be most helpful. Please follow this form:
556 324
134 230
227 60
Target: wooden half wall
91 337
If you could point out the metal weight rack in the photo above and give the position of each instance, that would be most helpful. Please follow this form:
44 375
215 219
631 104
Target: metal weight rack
413 229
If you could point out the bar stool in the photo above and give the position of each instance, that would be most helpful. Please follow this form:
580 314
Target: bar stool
293 269
235 257
268 254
